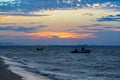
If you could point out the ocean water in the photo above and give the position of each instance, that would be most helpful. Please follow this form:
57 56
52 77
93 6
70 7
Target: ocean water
57 63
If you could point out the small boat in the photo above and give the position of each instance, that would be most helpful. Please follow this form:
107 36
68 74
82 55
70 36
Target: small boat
85 51
40 49
81 51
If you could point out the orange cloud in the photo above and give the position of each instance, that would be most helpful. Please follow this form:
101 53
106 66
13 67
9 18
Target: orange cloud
1 17
59 35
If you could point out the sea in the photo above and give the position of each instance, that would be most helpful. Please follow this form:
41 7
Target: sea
58 63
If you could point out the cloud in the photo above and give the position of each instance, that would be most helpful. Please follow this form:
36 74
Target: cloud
118 15
112 28
87 14
20 14
26 24
109 4
98 28
35 5
4 36
59 35
21 28
87 28
110 18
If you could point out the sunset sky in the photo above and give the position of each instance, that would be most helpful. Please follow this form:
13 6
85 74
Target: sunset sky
59 22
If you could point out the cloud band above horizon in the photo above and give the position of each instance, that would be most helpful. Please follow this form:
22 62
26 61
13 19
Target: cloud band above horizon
36 5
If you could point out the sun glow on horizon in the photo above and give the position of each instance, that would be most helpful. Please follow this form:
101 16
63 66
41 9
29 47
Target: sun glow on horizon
60 35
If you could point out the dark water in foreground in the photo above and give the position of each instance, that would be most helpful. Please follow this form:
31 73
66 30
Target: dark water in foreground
57 63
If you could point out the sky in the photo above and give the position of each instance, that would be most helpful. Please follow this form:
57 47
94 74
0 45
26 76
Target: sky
59 22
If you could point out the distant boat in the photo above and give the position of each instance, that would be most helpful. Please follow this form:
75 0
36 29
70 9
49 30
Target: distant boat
40 49
85 51
81 51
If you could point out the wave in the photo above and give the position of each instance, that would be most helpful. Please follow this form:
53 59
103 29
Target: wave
21 68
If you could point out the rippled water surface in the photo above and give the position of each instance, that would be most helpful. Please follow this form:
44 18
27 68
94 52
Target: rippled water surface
57 63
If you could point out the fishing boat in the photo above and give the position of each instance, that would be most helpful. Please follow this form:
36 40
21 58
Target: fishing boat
81 51
84 51
40 49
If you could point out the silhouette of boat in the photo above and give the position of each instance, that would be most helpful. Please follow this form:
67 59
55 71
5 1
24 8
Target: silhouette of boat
84 51
81 51
40 49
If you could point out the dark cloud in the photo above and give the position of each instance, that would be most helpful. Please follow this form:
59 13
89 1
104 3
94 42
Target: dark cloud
24 23
99 27
7 24
4 36
110 18
91 26
24 37
118 15
21 28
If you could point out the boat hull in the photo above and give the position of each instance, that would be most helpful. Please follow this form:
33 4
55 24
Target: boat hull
85 51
